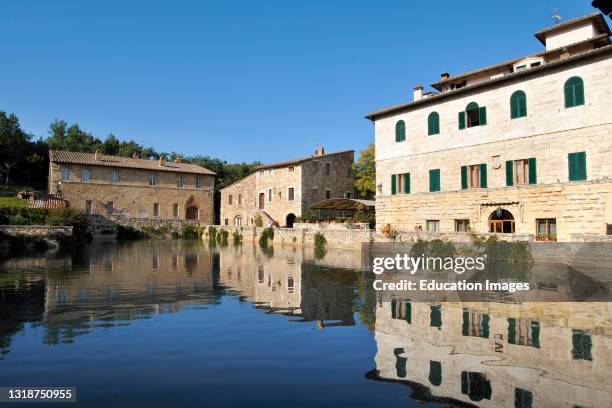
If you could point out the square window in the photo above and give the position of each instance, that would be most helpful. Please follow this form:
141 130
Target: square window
546 229
433 225
65 173
156 209
327 194
85 175
109 208
115 177
175 210
291 194
462 225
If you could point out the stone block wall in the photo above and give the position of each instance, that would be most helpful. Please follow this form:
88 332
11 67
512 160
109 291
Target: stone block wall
44 231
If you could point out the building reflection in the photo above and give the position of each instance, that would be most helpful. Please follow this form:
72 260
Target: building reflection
496 354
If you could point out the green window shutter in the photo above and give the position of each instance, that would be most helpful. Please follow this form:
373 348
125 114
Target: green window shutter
574 92
485 326
483 175
571 166
579 94
408 312
433 123
435 373
464 181
435 316
535 334
513 108
569 96
465 327
581 166
533 177
407 183
393 306
482 115
509 175
393 184
518 105
577 166
511 330
434 180
523 105
400 131
461 120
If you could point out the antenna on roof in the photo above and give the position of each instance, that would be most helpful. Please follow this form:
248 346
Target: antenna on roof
556 16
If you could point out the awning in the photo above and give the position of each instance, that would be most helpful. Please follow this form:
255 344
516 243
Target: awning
351 204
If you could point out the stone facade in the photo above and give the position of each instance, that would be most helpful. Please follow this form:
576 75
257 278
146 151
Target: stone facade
282 191
180 190
547 133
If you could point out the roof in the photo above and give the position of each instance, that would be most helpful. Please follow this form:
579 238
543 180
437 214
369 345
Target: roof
448 94
344 204
596 18
62 156
299 160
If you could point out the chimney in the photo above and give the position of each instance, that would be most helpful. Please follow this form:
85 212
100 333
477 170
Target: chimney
444 76
97 155
417 93
320 151
161 160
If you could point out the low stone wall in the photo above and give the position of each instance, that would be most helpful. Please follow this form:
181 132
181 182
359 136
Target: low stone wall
332 226
43 231
106 226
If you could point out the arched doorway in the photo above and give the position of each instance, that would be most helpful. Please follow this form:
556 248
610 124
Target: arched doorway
262 200
238 221
501 221
192 210
290 220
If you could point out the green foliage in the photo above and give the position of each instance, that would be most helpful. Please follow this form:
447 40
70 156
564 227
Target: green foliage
126 233
258 220
237 237
212 233
365 173
435 248
320 243
266 235
13 202
222 236
191 232
17 219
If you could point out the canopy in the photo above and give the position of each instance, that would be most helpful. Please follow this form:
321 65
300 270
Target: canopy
350 204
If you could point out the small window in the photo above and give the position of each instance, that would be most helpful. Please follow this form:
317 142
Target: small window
462 225
347 195
88 207
523 398
153 180
524 332
521 171
85 175
327 194
577 166
400 131
115 177
435 373
435 316
290 284
574 92
434 180
433 124
401 310
473 115
175 210
269 195
226 221
520 68
179 181
433 225
230 199
290 169
109 208
156 209
239 199
291 194
327 169
546 229
535 64
65 173
198 182
518 105
475 324
474 176
581 345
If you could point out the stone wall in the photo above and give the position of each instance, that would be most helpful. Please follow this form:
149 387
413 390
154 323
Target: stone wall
45 231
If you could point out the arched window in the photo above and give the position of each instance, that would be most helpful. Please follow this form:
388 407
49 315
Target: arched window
400 131
473 115
574 92
433 124
518 105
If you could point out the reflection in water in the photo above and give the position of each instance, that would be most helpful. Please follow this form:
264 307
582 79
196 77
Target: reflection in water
449 353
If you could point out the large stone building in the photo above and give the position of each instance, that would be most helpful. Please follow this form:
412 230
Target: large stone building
523 146
132 187
282 191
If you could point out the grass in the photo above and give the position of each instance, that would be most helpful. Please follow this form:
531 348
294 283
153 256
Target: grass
6 202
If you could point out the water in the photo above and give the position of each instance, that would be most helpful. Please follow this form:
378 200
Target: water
176 323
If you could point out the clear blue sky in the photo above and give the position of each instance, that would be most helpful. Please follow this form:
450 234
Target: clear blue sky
246 80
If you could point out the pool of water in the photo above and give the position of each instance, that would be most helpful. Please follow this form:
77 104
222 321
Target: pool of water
178 323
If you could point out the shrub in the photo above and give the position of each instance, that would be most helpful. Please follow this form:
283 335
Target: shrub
222 236
237 237
320 245
129 233
17 219
190 232
212 233
258 220
266 235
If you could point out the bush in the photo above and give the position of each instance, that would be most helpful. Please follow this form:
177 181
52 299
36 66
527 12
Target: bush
129 233
320 245
222 236
17 220
237 237
258 220
212 233
266 235
190 232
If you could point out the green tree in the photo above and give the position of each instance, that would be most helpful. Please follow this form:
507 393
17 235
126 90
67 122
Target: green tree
365 173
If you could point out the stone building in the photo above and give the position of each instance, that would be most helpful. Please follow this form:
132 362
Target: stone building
282 191
523 146
132 187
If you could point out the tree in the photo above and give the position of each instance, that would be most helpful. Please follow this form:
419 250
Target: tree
365 173
6 169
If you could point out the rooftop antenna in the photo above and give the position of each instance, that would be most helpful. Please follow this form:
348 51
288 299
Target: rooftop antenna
556 16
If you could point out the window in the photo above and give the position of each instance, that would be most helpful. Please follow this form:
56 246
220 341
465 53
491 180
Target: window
269 195
349 172
546 229
327 194
198 182
226 221
434 180
435 316
175 210
518 105
522 398
400 131
114 177
432 225
400 183
109 208
581 345
577 166
433 124
88 206
462 225
401 310
65 173
524 332
290 169
327 169
156 209
239 199
230 199
521 171
291 194
260 274
347 195
153 180
475 324
574 92
85 175
474 176
473 116
179 181
520 68
290 284
435 372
